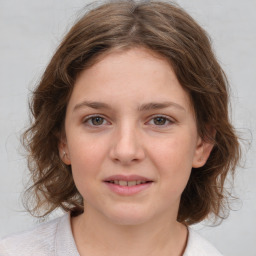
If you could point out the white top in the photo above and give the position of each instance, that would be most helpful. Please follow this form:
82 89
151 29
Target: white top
55 239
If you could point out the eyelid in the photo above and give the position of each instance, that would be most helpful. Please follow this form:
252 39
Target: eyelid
87 118
168 118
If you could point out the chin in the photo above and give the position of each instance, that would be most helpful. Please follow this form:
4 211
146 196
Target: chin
129 216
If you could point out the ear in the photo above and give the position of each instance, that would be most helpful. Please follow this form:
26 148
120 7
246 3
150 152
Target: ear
202 153
63 149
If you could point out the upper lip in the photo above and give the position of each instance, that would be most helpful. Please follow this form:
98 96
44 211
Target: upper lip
127 178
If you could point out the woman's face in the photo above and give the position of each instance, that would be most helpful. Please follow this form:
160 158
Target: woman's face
131 137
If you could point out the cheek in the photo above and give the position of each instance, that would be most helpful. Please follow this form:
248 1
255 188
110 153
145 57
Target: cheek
85 150
85 169
86 157
173 158
175 151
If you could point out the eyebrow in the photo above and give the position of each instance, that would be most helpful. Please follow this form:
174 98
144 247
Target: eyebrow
159 105
92 104
143 107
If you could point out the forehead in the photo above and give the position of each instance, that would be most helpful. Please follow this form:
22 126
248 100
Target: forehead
119 51
137 72
120 61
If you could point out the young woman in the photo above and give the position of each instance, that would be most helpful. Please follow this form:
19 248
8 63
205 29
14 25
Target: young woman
131 137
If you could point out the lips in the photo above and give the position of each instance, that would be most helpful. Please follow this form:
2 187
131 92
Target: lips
130 180
127 185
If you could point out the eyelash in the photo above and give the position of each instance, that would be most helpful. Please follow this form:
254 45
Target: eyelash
87 119
166 119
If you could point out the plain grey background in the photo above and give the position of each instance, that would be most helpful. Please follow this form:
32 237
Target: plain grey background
30 30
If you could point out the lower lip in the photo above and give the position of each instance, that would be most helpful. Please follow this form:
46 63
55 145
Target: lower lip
128 190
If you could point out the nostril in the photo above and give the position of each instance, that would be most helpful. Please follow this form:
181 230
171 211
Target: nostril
126 150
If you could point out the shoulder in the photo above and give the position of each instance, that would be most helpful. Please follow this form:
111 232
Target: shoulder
199 246
36 241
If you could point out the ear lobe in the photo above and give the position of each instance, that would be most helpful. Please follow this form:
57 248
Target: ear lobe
63 150
202 153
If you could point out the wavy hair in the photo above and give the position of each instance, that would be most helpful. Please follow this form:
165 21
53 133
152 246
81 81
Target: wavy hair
167 30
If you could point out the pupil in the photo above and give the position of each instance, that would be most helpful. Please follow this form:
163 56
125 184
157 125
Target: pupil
159 120
97 120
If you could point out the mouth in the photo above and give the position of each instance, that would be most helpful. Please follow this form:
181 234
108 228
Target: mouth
127 180
128 185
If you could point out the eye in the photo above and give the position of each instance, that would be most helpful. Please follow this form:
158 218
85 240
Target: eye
161 121
95 121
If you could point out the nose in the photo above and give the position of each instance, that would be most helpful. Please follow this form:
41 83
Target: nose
127 147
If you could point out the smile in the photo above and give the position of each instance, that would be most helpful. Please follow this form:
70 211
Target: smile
127 183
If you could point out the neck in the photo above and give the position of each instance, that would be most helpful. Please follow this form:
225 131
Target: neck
95 235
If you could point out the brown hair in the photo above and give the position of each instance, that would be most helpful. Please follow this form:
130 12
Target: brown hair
163 28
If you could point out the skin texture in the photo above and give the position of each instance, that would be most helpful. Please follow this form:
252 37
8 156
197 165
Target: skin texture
128 139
